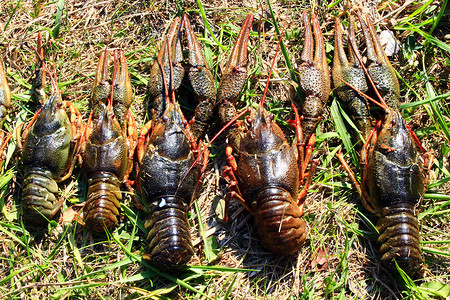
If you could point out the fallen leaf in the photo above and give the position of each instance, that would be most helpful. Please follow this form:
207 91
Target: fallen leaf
320 262
75 212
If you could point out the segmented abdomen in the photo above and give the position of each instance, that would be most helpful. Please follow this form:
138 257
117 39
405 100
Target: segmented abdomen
400 238
103 201
278 220
38 196
170 245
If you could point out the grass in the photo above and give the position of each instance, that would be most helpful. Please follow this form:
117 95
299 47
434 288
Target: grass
340 258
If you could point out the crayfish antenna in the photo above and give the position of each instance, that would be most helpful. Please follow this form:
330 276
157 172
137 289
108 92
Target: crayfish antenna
39 54
263 98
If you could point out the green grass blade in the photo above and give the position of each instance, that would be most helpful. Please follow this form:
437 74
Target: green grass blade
336 111
59 11
417 11
282 46
162 274
206 23
12 15
209 252
425 101
429 38
438 18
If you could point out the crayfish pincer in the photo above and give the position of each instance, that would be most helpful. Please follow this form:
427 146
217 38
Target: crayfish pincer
47 154
5 103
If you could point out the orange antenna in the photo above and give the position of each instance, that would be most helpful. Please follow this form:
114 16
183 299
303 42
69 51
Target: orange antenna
382 103
44 65
263 98
243 112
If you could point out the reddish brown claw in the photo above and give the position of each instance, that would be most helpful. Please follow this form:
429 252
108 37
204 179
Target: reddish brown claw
202 82
160 75
235 73
123 92
352 73
5 94
101 89
380 69
313 76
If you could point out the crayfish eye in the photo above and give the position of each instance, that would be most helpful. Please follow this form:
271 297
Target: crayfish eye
271 117
165 118
249 120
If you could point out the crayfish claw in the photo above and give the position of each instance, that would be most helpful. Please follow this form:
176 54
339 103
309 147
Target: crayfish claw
200 74
202 81
122 89
235 72
123 92
170 55
313 77
38 95
380 69
101 89
5 95
352 73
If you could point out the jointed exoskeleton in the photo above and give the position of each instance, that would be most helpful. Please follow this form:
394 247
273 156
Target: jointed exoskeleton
51 141
108 143
265 172
394 164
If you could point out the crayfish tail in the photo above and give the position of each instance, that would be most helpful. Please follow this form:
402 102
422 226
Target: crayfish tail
400 239
170 246
278 220
38 197
103 202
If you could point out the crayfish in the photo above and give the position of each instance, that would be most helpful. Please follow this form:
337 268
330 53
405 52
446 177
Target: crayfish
265 172
108 143
170 156
51 141
394 164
